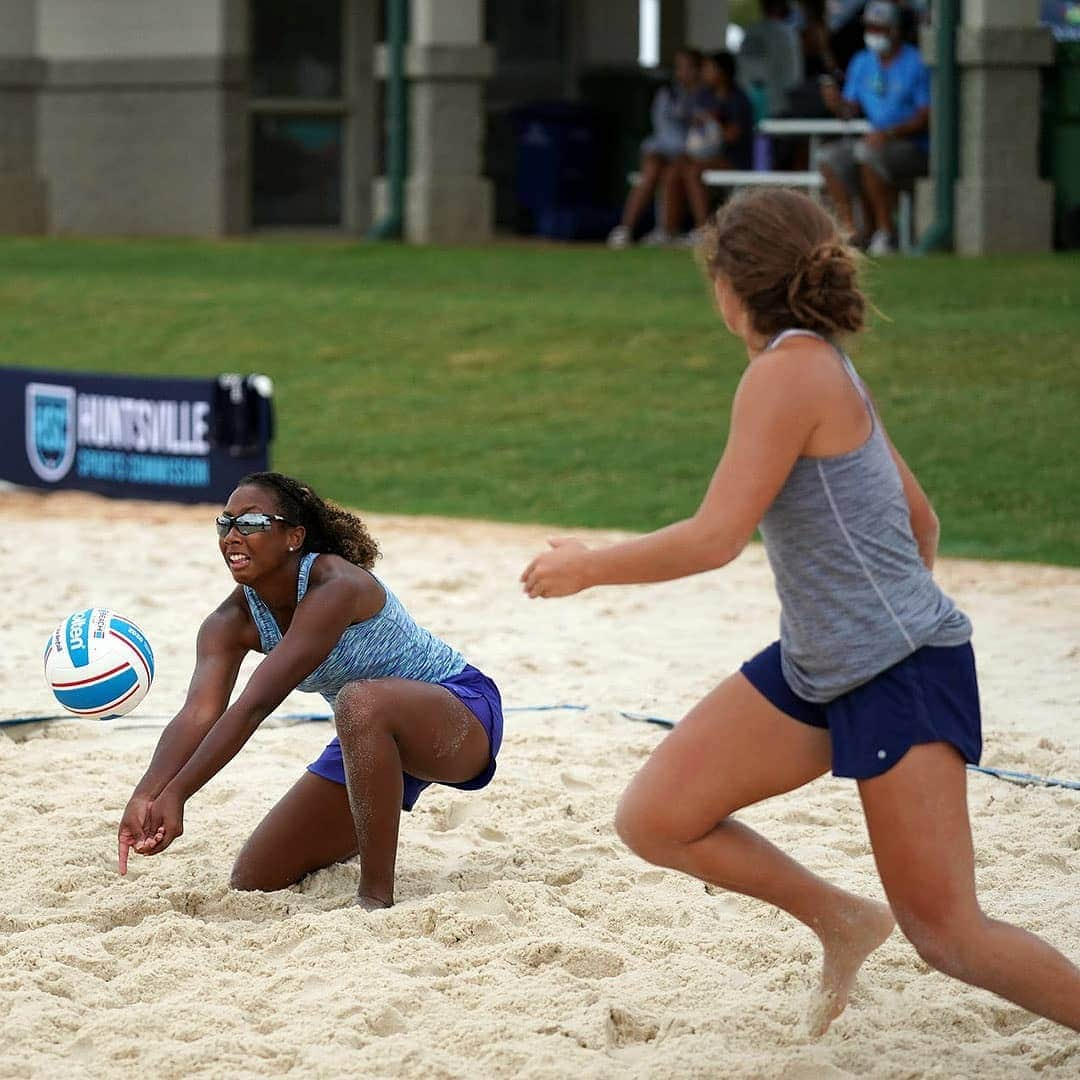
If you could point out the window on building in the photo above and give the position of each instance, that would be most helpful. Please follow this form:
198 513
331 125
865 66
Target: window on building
298 112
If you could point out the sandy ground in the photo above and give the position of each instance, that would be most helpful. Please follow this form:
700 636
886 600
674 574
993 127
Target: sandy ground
526 941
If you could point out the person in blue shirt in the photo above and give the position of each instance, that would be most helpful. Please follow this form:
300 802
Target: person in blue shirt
888 83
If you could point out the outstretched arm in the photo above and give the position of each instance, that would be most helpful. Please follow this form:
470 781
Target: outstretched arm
219 650
771 421
320 619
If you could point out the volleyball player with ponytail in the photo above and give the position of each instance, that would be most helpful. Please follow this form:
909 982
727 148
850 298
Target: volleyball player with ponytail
874 673
409 710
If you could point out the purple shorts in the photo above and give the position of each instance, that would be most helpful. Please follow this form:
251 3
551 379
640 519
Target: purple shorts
479 694
930 696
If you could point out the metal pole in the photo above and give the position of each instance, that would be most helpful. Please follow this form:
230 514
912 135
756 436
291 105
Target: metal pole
945 135
391 227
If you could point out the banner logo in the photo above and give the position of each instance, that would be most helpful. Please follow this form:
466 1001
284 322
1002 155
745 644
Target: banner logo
50 429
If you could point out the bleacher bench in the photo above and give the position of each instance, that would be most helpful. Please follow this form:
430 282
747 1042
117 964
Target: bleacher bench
811 181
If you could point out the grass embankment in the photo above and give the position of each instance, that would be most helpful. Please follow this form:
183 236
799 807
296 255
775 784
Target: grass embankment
570 386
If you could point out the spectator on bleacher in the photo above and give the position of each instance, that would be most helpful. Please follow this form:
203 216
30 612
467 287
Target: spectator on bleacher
889 84
846 25
770 58
672 110
721 137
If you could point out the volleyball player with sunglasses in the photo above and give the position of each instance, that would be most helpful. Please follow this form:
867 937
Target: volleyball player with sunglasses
409 710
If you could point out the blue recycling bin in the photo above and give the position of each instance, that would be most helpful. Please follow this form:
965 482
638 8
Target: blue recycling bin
561 162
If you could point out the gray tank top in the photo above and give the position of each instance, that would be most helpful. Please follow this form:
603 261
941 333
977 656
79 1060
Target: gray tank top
855 597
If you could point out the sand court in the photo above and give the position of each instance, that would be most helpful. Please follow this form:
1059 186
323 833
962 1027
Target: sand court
526 940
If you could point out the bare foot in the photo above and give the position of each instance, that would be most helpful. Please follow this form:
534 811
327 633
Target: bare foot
857 931
370 903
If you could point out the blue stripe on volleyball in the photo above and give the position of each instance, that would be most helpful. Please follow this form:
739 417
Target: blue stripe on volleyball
98 694
78 647
136 638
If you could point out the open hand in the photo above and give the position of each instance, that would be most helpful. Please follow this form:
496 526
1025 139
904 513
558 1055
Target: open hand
559 572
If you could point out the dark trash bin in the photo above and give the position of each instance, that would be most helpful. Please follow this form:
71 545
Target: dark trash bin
1061 118
562 148
1065 143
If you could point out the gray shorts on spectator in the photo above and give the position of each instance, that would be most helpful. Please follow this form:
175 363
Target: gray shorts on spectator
898 162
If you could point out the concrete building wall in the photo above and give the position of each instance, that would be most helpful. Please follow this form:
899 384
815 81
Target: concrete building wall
130 29
19 20
23 194
131 159
140 116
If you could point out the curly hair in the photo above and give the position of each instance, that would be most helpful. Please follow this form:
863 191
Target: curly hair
328 528
783 256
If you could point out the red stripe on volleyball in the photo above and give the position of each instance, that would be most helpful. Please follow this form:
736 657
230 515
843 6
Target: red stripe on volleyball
135 651
93 679
105 708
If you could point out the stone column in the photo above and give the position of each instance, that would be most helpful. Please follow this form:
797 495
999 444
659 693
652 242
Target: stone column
447 201
141 125
23 198
359 165
1001 204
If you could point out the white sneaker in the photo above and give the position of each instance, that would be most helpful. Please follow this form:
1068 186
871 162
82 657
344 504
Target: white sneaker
692 238
658 237
881 243
619 238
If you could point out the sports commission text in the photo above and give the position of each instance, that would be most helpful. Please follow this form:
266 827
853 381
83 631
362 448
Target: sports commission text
143 442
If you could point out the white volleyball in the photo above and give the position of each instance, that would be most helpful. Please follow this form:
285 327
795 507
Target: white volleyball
98 664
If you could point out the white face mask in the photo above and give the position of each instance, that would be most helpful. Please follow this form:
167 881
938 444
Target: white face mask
878 43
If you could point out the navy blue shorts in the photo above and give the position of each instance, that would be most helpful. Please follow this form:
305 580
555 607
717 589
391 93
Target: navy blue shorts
479 694
930 696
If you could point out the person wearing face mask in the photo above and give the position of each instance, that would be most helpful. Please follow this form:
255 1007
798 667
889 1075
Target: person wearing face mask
888 83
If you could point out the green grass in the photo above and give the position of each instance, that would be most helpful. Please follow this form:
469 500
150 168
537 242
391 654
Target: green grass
576 387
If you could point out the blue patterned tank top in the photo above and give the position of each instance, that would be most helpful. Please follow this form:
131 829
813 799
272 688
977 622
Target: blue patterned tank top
389 644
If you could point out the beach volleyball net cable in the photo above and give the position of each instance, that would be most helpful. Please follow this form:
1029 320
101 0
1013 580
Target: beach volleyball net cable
1022 779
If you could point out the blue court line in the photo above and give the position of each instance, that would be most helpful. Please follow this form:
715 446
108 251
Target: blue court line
1022 778
299 717
1025 779
508 709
